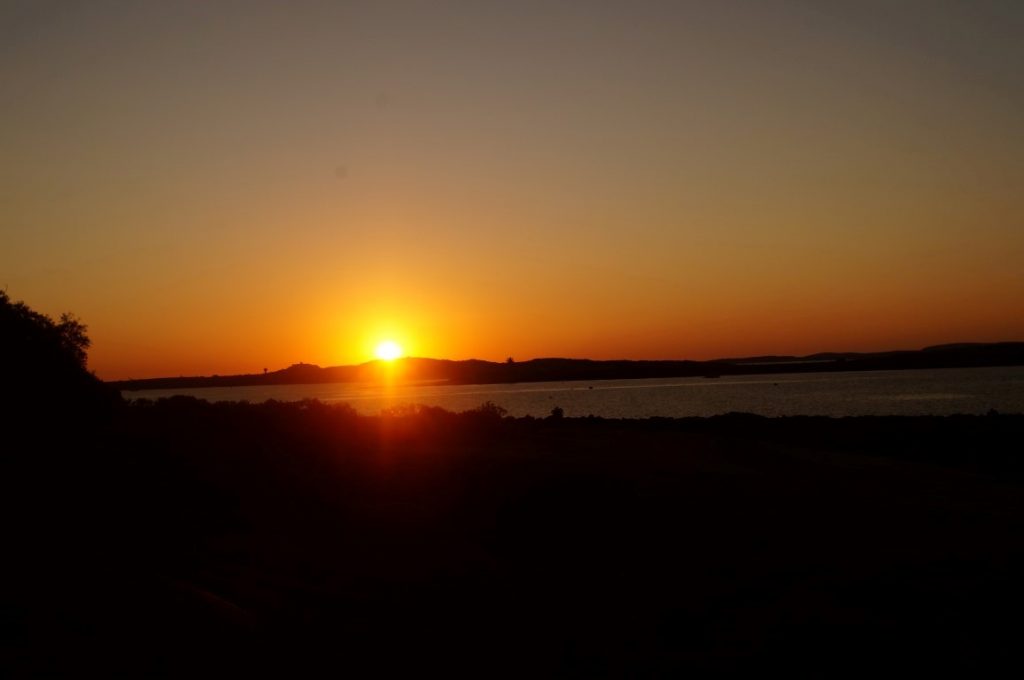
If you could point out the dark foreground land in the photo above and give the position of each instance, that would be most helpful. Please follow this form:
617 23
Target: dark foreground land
193 539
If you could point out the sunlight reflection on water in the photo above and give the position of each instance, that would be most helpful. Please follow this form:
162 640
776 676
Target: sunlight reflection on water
919 392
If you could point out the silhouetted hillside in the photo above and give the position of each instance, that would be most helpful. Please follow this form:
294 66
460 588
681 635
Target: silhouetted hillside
475 371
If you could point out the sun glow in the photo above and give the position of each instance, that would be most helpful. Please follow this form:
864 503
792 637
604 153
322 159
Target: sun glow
388 350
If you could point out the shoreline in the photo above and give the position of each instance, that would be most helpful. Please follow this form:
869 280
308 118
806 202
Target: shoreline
925 392
475 372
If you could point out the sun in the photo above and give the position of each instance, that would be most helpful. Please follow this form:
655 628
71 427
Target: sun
388 350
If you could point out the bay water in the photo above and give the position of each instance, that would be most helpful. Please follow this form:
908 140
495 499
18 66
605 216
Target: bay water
909 392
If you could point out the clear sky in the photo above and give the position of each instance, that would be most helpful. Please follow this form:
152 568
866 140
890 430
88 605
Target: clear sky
219 187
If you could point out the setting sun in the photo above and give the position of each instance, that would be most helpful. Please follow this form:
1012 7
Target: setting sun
388 350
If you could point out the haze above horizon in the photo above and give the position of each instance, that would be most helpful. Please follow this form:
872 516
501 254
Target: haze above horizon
220 187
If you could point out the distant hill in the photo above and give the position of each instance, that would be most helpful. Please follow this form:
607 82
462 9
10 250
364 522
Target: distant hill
474 371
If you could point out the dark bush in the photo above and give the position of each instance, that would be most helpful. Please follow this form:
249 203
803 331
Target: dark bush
44 374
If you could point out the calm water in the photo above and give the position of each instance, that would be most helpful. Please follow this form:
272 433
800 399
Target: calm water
928 392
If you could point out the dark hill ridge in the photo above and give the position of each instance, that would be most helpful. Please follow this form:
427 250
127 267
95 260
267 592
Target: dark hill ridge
475 371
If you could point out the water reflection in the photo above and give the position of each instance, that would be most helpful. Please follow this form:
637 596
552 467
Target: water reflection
925 392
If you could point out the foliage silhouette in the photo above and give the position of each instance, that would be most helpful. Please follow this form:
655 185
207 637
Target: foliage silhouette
488 411
44 373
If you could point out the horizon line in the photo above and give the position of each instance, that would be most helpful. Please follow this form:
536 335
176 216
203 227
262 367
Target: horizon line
567 358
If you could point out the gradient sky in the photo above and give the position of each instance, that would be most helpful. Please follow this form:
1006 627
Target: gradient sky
219 187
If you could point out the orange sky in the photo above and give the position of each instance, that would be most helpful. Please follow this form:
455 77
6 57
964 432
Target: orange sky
223 187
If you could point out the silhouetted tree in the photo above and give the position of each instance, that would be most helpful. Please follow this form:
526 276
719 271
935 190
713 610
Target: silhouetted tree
73 337
43 368
33 335
487 415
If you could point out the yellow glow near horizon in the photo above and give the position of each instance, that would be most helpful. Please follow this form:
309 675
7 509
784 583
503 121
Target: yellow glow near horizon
683 184
388 350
